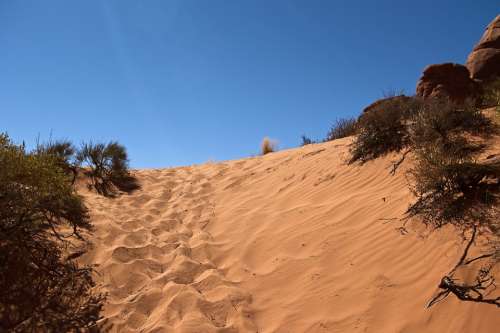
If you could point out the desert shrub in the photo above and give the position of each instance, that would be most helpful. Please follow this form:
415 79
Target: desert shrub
491 93
41 289
342 128
107 167
450 185
383 128
267 146
64 153
452 188
306 141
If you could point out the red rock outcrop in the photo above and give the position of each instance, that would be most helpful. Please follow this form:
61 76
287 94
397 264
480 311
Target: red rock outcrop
446 80
484 61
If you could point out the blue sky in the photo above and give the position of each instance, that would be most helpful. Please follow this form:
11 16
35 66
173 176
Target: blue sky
184 82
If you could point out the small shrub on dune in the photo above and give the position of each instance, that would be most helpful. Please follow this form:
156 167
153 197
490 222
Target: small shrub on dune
342 128
383 128
491 94
107 167
267 146
41 288
306 141
449 183
451 187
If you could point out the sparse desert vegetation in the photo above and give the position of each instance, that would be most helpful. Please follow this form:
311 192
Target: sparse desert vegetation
138 234
450 183
277 221
388 220
342 127
267 146
384 128
306 140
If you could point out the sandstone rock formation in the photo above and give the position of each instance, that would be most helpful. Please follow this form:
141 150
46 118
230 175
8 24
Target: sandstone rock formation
446 80
484 61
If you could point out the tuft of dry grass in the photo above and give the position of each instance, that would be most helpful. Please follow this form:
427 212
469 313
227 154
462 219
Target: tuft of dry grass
342 128
267 146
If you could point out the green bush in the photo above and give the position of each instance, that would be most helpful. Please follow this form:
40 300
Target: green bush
41 289
107 167
342 128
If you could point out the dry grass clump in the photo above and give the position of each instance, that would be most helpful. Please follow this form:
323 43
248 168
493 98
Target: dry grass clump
267 146
342 128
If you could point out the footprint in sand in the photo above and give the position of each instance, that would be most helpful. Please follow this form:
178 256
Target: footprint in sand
125 254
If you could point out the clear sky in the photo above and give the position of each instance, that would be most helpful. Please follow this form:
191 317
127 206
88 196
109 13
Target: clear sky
184 82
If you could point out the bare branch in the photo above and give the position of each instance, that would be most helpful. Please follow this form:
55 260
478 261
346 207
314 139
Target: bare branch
467 292
396 164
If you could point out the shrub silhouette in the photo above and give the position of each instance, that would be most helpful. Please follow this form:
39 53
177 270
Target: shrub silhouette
342 128
64 153
41 288
383 128
107 167
306 140
267 146
451 187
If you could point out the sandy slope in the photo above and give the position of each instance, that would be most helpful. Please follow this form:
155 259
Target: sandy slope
296 241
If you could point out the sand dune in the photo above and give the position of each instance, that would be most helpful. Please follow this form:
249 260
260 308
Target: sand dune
295 241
